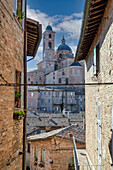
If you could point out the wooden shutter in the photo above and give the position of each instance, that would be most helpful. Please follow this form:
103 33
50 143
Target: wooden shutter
97 59
43 158
112 135
99 136
22 90
23 10
94 61
14 83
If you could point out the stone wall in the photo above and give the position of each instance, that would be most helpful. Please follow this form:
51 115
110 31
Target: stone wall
11 53
102 93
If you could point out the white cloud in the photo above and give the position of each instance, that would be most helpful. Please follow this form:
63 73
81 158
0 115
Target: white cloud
66 25
60 23
72 27
79 15
74 48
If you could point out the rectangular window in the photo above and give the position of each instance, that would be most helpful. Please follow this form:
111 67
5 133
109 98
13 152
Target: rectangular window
31 82
14 6
53 77
96 60
36 82
28 79
19 9
48 100
31 94
43 156
53 73
66 80
31 104
59 80
18 92
35 154
28 147
63 73
42 101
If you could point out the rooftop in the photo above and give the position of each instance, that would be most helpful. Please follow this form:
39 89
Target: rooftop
93 15
62 133
76 64
34 35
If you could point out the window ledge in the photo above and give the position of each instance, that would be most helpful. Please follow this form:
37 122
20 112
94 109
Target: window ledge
20 26
18 109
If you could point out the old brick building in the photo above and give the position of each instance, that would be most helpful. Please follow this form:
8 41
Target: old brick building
11 64
12 71
96 47
54 150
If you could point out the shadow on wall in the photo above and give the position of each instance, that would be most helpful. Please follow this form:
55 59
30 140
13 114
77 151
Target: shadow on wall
110 146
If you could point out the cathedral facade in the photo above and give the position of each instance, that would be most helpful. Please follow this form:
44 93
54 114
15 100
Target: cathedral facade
57 67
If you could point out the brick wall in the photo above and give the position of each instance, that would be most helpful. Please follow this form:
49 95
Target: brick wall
59 153
11 53
103 93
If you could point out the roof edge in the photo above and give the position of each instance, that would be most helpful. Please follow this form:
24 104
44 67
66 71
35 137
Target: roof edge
84 22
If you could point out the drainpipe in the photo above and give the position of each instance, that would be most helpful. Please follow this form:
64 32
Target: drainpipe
25 92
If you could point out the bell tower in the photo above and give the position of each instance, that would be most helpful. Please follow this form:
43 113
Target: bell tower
48 43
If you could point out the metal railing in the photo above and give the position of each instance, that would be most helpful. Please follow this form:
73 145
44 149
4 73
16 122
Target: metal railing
79 166
76 160
91 167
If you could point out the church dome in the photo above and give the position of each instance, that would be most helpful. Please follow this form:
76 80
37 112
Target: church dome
63 46
49 28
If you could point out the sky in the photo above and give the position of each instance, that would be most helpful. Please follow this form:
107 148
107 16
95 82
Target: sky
65 17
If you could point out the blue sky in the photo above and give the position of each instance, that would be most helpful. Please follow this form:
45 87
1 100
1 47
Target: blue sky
65 17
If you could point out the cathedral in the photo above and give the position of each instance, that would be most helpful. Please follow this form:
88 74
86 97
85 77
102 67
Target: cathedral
57 67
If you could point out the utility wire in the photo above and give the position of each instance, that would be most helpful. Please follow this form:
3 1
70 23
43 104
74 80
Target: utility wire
37 85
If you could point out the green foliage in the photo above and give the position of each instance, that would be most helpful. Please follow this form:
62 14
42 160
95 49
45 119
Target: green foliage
17 95
19 113
20 14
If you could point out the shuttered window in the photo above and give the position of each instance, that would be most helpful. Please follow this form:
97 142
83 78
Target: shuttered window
96 60
20 5
14 6
22 90
23 9
99 135
43 156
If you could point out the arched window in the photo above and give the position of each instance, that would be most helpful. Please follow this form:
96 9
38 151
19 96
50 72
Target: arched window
50 36
49 45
